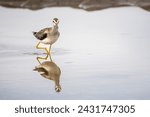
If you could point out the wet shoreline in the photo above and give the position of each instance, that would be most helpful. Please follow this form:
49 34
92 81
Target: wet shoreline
88 5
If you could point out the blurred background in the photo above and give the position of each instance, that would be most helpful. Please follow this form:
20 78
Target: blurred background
102 53
88 5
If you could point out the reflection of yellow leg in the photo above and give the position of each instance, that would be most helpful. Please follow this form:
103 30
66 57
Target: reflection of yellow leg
37 46
38 58
50 58
50 53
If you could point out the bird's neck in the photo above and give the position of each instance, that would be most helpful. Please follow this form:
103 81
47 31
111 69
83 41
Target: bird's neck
55 28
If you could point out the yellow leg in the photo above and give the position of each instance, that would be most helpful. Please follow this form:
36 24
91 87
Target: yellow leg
38 47
50 58
42 58
50 54
50 48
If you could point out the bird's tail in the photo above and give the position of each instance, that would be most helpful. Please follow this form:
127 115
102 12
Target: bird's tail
34 33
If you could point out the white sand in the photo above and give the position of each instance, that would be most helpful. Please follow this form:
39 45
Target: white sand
102 55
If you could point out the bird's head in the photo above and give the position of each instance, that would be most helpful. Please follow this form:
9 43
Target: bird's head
58 88
55 21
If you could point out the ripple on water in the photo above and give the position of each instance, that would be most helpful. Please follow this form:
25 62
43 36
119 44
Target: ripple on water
7 52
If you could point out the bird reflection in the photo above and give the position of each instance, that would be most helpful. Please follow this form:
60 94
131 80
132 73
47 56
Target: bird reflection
49 70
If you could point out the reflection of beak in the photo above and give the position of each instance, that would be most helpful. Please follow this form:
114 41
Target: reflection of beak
58 89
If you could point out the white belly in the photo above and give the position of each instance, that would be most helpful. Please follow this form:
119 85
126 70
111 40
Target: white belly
50 39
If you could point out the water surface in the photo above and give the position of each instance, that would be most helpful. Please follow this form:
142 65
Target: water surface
102 55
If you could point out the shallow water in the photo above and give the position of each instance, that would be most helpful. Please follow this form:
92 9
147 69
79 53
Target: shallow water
102 54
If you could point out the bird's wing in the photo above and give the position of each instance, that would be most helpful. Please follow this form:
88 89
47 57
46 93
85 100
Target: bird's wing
42 34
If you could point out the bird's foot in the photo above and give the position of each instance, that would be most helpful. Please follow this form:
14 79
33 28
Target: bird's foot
47 52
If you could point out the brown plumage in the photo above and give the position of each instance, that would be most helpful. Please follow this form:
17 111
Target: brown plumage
51 71
48 35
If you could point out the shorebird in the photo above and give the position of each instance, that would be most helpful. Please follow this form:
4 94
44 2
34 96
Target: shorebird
48 36
51 71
